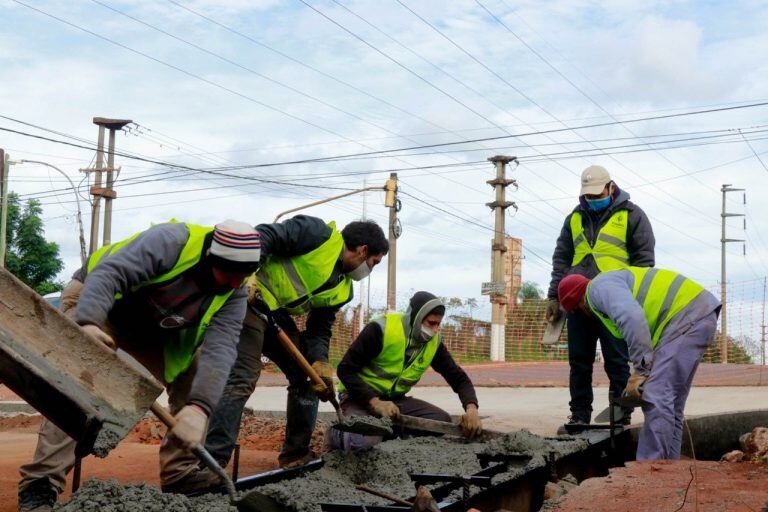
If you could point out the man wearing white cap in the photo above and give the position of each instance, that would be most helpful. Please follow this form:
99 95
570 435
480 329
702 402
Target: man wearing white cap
172 298
606 231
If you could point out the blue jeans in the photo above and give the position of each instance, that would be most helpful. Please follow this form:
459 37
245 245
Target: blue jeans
301 410
583 333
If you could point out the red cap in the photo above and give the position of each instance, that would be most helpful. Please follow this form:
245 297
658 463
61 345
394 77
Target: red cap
571 291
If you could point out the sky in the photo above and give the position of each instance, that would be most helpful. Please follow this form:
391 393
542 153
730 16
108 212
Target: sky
224 87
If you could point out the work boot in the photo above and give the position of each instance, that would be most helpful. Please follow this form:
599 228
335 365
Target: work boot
577 419
39 496
198 480
299 460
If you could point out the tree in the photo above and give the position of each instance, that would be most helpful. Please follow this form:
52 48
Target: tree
29 256
530 291
471 303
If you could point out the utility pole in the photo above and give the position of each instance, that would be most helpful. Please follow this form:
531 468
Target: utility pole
723 293
366 281
97 191
762 335
4 167
395 230
497 288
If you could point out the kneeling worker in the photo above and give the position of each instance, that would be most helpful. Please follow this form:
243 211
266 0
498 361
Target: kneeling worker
668 322
172 298
387 359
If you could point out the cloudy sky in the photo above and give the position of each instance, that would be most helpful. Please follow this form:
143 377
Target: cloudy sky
227 86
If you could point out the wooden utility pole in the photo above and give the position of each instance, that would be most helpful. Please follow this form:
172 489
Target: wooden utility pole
723 292
497 288
107 192
394 233
3 205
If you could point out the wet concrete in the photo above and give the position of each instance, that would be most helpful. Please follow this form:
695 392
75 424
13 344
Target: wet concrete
106 440
385 467
365 425
109 496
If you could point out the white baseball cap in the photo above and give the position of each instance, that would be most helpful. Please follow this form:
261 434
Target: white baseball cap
594 179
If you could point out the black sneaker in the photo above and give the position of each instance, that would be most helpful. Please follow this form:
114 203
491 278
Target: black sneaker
575 419
39 496
198 480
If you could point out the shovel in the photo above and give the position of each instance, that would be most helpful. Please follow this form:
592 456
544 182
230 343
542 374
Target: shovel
345 424
440 427
248 502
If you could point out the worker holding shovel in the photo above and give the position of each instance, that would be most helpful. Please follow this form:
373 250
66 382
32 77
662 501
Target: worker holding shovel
668 321
387 359
308 267
172 298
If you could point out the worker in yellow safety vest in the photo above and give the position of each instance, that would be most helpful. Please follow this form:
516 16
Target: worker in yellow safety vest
179 286
387 359
668 321
308 268
606 231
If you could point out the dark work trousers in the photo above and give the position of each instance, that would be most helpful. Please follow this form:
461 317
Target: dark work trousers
410 406
301 410
583 333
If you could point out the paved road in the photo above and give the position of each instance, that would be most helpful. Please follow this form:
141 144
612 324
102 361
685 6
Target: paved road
546 374
542 410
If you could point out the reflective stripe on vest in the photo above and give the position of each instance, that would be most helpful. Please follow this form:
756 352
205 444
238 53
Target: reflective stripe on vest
661 293
290 283
179 352
610 249
389 375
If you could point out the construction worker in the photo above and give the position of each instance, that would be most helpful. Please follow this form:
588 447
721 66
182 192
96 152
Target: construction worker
606 231
668 321
308 267
387 359
172 298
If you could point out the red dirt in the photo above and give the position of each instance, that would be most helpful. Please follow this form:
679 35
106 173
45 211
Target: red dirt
7 395
256 433
661 486
136 458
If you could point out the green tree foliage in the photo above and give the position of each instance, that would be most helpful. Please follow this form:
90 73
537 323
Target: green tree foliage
530 291
29 256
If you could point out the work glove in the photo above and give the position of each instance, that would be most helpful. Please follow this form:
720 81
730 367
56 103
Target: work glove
384 408
191 424
471 425
325 371
633 393
95 332
553 311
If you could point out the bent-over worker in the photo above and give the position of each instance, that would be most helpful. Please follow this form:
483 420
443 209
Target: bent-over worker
172 298
668 322
387 359
308 267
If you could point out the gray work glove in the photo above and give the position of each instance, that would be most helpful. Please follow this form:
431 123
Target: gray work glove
384 408
553 311
191 424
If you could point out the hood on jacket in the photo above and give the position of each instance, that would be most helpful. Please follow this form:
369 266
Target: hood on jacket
420 305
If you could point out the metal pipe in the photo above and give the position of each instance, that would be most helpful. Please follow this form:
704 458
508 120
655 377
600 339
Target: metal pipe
326 200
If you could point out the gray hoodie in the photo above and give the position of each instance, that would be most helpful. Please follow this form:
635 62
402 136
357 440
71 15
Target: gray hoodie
183 300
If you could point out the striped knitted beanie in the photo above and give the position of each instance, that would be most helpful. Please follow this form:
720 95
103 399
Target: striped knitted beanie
236 242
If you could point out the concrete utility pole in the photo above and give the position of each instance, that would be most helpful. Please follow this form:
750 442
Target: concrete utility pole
3 205
497 288
97 191
762 334
723 293
395 230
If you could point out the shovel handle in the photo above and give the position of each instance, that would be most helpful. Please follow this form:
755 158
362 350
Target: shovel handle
299 358
163 415
385 495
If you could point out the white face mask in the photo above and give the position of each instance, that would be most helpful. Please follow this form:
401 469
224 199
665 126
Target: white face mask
360 272
427 333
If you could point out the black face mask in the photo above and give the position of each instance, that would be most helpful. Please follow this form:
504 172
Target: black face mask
204 277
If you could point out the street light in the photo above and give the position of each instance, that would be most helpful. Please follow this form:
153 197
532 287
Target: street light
77 199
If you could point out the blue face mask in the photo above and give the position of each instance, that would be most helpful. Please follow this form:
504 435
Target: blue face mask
599 205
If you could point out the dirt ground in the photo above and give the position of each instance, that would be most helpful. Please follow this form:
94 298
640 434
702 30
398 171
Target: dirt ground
136 458
664 486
